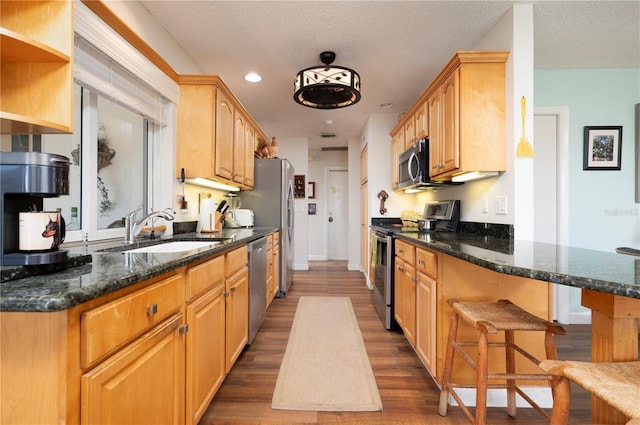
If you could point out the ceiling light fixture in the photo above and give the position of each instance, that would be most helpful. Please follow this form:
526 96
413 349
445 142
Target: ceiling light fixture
327 87
252 77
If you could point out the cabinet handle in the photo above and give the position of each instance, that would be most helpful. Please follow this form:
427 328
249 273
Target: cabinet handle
152 309
401 251
421 262
233 289
183 329
226 294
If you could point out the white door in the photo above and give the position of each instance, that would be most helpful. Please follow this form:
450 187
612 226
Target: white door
337 201
551 170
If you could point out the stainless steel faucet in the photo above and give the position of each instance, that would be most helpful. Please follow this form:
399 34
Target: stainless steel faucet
133 227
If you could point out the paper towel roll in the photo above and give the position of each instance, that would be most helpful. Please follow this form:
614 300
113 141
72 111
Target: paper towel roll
207 221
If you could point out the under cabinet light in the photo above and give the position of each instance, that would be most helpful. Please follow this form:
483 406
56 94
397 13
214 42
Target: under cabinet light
199 181
473 175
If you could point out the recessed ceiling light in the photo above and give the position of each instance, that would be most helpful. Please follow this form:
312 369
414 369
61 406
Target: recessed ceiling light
386 105
328 122
252 77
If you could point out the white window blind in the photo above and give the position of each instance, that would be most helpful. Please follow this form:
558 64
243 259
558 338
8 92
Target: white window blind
117 70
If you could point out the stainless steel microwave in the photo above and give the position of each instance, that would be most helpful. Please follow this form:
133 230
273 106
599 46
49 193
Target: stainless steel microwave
413 169
413 165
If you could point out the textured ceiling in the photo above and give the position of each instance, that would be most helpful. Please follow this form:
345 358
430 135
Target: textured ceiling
397 47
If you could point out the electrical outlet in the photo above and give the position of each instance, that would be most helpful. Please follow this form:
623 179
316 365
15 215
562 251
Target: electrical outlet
485 204
501 205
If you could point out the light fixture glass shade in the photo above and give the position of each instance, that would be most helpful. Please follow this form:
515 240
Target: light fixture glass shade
327 87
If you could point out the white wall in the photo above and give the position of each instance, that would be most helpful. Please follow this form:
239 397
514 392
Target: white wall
603 214
295 150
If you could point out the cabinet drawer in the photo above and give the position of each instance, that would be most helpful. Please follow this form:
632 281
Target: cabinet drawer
108 327
426 262
235 260
276 238
270 241
204 276
405 251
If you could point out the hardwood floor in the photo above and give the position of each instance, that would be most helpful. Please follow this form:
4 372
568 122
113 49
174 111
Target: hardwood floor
409 395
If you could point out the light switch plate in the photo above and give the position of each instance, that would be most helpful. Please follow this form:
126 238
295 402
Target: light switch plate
501 205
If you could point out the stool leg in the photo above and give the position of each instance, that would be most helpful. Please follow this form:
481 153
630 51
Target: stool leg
481 380
448 365
511 368
561 401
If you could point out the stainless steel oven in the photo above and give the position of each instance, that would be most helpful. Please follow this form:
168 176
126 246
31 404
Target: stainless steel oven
383 277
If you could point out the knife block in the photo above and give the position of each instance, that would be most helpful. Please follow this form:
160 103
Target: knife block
214 224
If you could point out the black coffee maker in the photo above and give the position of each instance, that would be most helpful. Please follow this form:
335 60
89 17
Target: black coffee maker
26 178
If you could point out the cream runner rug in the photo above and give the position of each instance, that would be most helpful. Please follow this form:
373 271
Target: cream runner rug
325 366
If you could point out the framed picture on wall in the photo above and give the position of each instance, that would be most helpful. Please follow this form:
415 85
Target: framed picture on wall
602 148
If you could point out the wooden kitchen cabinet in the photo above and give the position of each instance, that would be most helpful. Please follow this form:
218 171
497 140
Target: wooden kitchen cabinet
205 352
467 108
405 289
216 137
143 383
397 146
36 77
236 304
250 146
224 136
273 266
426 307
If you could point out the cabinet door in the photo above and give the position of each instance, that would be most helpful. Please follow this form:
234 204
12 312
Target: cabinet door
422 121
405 299
237 315
239 160
397 144
249 149
426 321
205 351
143 383
451 123
435 133
224 136
276 268
409 133
196 126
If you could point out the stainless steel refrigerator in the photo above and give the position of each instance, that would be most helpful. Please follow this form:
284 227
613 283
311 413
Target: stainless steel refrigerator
272 203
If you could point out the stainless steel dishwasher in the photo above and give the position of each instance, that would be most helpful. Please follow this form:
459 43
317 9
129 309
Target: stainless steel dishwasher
257 285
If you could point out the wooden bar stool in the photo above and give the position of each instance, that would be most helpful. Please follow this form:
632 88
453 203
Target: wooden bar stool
615 383
491 318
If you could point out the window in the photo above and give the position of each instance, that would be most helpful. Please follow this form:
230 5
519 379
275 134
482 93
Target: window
108 177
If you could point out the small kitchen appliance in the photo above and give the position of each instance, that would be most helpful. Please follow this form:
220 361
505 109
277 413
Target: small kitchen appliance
244 217
26 178
413 169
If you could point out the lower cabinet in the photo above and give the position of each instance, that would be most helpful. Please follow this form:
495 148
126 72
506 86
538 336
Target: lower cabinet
405 299
273 266
236 305
426 306
141 383
152 353
205 364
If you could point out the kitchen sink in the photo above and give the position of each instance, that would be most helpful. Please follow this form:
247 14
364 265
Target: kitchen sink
175 247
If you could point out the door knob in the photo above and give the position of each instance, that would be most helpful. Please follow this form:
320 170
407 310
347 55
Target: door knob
330 219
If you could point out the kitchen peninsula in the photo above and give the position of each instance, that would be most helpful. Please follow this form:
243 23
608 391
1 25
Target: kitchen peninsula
472 267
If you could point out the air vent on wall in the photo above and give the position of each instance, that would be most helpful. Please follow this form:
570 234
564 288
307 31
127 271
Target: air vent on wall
327 135
334 148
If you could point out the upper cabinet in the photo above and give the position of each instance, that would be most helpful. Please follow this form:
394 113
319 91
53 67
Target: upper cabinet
36 79
467 130
216 137
462 112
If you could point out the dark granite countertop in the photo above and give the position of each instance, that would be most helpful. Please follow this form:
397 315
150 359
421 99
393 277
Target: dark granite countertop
601 271
110 269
